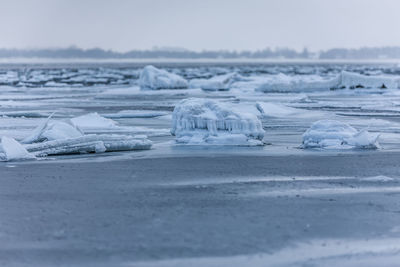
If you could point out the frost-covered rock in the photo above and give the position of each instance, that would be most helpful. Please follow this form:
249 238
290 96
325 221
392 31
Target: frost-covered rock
204 121
216 83
92 143
52 130
12 150
354 80
338 135
93 121
153 78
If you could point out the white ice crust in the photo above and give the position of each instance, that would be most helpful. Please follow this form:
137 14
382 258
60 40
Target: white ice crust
153 78
216 83
349 80
204 121
331 134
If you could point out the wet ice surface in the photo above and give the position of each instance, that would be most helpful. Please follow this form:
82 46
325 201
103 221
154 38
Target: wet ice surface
178 205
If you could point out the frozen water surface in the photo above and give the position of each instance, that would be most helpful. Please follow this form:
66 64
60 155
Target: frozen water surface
179 204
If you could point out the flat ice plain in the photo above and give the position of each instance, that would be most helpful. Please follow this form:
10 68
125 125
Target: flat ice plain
202 205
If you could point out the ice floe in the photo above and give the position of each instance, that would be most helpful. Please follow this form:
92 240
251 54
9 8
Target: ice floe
153 78
53 137
92 143
349 80
12 150
136 114
93 121
204 121
354 80
333 134
216 83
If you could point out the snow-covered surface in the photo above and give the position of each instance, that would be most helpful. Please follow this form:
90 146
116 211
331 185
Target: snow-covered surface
331 134
204 121
153 78
12 150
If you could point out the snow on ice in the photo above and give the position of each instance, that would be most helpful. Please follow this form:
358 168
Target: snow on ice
204 121
332 134
153 78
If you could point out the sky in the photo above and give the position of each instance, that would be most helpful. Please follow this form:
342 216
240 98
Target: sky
123 25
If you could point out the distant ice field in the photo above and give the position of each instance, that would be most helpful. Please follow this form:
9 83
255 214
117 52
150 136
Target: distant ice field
293 97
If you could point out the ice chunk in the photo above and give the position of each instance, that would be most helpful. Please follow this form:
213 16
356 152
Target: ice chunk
93 121
52 130
216 83
354 80
285 83
337 135
12 150
92 143
153 78
204 121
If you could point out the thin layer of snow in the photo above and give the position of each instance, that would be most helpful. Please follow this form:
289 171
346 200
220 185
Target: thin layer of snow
12 150
332 134
216 83
93 121
153 78
92 143
204 121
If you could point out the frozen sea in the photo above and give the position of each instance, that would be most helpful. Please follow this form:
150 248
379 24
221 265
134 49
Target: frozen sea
180 205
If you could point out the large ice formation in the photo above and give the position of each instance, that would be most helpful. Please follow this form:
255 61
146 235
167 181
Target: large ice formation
204 121
337 135
12 150
354 80
153 78
57 137
216 83
350 80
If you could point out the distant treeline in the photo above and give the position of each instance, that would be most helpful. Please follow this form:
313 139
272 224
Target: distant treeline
278 53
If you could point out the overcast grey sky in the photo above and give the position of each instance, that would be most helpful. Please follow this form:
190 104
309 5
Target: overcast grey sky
123 25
